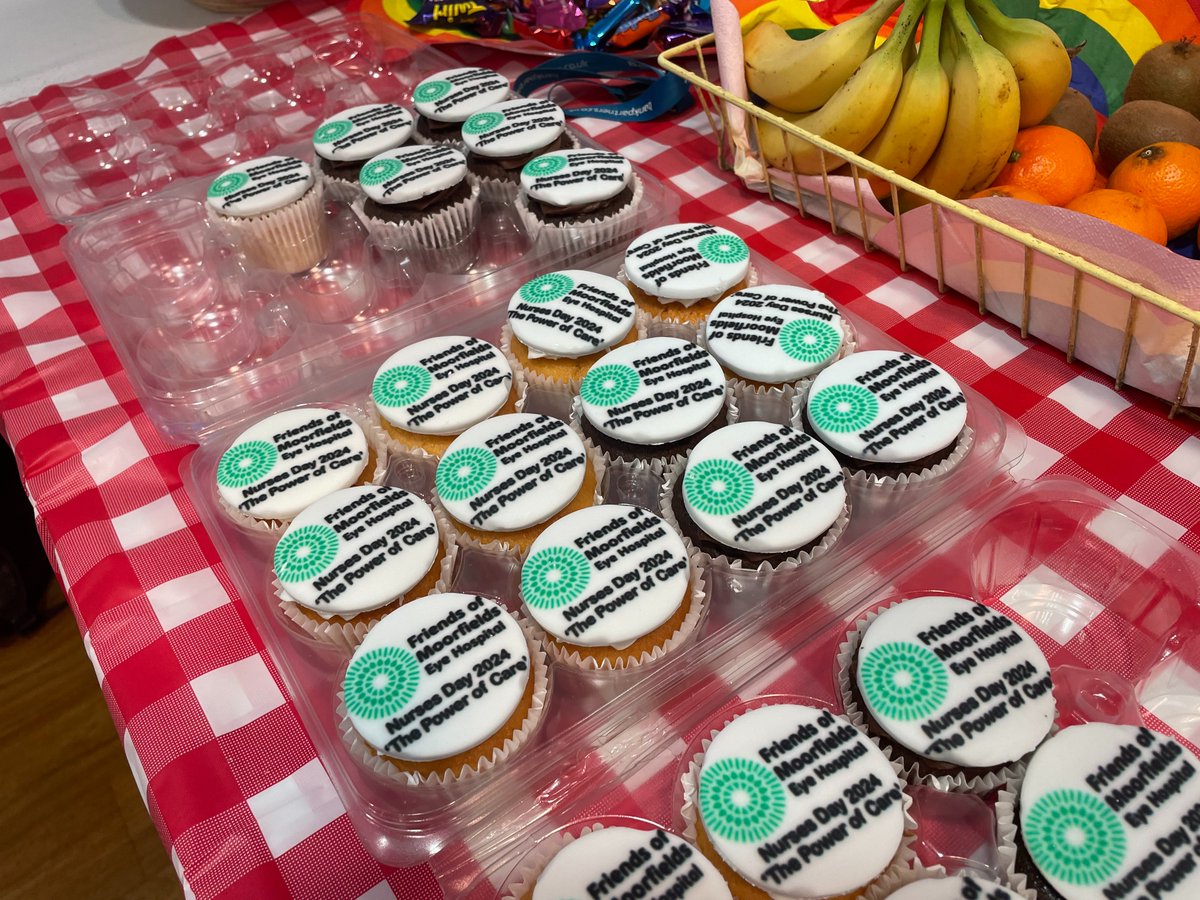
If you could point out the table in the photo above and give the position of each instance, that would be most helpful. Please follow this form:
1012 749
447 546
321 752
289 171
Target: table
195 699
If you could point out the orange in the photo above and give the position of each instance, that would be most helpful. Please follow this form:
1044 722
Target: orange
1050 161
1125 210
1014 193
1168 175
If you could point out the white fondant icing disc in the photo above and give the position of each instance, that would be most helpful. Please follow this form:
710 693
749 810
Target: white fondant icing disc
259 186
513 127
605 576
955 681
437 676
774 333
571 313
688 262
800 802
442 385
762 487
452 95
654 391
955 887
511 472
629 862
571 177
277 467
410 173
1113 811
886 406
363 131
356 550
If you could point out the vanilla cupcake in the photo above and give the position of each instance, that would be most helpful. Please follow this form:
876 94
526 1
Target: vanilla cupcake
273 209
445 100
501 139
343 143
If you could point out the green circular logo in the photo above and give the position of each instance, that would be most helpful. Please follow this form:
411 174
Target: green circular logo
464 473
401 385
809 340
246 463
903 681
545 288
843 407
718 487
544 165
305 552
333 131
741 799
228 183
380 170
380 681
554 577
723 248
482 122
1074 836
609 385
429 91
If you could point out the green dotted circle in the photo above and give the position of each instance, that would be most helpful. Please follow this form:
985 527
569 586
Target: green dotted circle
718 487
228 183
723 248
482 122
544 165
305 552
546 288
809 340
609 385
843 407
246 463
333 131
464 473
401 385
429 91
380 170
1074 837
741 800
903 681
380 681
554 577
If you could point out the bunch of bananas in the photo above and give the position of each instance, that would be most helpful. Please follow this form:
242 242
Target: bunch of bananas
943 112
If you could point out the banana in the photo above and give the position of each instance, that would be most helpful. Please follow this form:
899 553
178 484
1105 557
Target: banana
1036 53
983 115
857 110
799 76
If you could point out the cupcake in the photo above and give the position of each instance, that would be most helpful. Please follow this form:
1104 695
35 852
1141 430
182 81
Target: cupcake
1105 811
678 273
758 496
794 801
501 139
958 692
771 339
273 209
288 461
890 416
648 863
578 201
352 557
421 197
918 884
503 480
560 323
426 394
346 141
647 403
444 688
445 100
611 587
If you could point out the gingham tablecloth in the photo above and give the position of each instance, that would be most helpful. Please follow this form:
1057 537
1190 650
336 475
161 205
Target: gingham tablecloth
229 775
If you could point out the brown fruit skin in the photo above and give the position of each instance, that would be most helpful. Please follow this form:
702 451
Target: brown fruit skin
1143 122
1169 73
1074 112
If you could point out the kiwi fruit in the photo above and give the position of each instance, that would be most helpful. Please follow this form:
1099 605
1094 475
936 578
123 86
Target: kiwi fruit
1143 122
1074 112
1170 73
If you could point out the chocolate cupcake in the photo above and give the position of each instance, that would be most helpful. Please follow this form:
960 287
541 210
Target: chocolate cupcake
445 100
343 143
501 139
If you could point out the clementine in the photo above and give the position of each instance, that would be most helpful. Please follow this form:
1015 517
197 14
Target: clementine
1125 210
1050 161
1168 175
1012 192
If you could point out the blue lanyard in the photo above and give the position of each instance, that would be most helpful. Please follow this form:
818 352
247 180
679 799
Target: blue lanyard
645 92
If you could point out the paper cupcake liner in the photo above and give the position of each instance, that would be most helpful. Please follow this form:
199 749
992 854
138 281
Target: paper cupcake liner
669 326
447 233
530 378
690 813
287 240
894 879
362 752
582 238
497 190
1005 812
339 189
521 881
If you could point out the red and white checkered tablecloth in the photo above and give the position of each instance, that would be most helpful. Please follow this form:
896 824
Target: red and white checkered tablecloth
195 699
